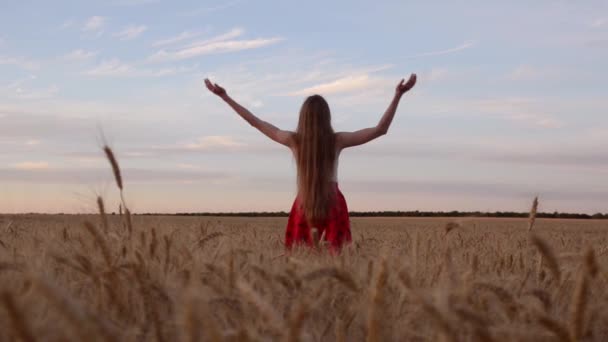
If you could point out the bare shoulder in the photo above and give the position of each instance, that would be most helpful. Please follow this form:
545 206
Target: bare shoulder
289 137
340 136
341 139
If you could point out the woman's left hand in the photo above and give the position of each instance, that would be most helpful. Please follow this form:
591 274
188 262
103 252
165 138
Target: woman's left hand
215 88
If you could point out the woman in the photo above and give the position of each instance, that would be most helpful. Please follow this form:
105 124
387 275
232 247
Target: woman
316 147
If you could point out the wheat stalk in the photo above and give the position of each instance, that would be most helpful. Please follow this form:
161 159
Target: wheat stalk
376 304
18 322
578 305
532 216
275 321
100 241
102 213
114 163
333 272
297 322
591 264
548 255
554 326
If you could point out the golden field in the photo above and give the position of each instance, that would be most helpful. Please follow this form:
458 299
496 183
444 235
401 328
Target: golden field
161 278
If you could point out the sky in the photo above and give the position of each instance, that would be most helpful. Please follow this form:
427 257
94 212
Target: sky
510 102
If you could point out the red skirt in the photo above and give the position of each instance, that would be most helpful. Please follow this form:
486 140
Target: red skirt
335 230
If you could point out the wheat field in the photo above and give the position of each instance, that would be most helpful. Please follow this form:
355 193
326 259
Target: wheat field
162 278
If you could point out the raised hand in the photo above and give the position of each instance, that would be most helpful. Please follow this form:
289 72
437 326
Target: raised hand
215 88
403 87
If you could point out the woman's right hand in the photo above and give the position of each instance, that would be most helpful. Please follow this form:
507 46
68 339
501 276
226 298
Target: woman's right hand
215 88
403 87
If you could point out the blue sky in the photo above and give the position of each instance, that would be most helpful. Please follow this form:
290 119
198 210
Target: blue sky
510 102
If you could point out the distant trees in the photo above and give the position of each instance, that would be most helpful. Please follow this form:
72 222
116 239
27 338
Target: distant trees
414 213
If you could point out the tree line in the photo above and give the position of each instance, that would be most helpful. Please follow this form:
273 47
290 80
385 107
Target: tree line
415 213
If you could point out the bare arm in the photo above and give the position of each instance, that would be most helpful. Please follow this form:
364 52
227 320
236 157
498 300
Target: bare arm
271 131
360 137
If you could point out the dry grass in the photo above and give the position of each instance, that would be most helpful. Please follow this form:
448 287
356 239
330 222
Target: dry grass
185 278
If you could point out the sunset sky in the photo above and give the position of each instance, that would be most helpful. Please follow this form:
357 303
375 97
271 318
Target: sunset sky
511 102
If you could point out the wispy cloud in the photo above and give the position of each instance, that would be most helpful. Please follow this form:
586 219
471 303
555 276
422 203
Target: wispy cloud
29 173
524 72
185 35
463 46
116 68
207 144
214 142
234 33
94 24
209 9
131 32
25 89
341 85
79 55
36 94
479 188
599 23
20 62
30 165
67 24
527 111
134 2
223 43
544 73
167 71
436 74
112 67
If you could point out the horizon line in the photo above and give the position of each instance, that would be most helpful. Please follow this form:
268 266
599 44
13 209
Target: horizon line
381 213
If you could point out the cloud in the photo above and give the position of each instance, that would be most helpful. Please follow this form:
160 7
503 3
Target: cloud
185 35
36 94
20 62
574 155
94 24
187 166
113 67
209 9
131 32
214 142
167 71
519 109
32 142
599 23
345 84
79 55
535 73
31 174
134 2
528 111
525 72
116 68
31 165
436 74
295 70
223 43
234 33
468 188
67 24
463 46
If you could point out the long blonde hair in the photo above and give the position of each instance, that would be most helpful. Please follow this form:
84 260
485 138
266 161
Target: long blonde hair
315 157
